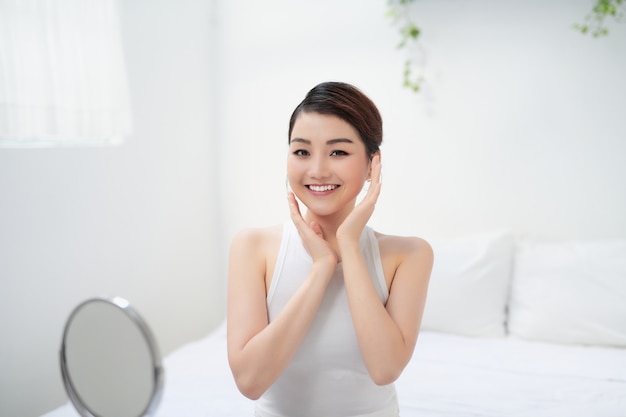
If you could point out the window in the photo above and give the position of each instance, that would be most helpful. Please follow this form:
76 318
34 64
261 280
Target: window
62 74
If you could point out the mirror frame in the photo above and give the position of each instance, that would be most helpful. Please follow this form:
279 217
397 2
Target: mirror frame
138 321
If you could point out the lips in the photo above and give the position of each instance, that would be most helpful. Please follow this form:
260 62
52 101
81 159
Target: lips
319 188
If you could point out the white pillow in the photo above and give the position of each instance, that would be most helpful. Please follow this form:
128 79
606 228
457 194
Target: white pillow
469 285
570 292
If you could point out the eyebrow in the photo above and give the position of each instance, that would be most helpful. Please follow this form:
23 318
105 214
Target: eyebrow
328 142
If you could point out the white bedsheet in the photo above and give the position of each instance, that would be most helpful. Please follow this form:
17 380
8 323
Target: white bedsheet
449 376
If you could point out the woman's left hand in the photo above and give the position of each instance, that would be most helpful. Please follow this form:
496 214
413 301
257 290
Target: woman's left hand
352 226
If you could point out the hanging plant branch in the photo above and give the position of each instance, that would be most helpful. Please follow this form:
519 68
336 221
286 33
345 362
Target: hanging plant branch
398 12
596 20
409 33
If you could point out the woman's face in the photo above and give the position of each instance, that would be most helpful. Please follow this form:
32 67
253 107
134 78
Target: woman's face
327 163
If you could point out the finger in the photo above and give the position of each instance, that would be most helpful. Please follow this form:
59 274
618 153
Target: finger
371 197
294 208
317 229
373 190
296 215
376 169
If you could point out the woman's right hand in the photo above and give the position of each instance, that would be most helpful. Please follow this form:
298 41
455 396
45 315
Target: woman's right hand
311 235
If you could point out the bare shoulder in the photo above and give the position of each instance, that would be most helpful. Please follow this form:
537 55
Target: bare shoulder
403 246
258 245
406 256
258 238
255 250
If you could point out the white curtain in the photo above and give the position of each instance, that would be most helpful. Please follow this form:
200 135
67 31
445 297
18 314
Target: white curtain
62 73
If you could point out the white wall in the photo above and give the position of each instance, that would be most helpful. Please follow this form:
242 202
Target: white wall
518 127
138 221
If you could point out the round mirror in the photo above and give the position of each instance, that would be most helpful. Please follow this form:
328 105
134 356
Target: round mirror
110 363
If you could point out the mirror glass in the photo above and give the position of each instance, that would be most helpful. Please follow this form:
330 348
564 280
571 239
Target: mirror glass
109 360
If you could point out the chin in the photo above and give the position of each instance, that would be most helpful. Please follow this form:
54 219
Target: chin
315 207
324 209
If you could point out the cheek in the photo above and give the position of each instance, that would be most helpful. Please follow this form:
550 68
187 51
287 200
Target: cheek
290 166
358 174
294 170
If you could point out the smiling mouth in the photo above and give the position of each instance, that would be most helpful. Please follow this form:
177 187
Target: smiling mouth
322 188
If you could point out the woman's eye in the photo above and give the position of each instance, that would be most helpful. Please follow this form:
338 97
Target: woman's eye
300 152
338 153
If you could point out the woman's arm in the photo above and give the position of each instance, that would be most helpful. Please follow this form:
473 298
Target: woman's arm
259 351
387 334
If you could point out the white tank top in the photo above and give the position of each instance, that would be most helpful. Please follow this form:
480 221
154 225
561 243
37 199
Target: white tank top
327 376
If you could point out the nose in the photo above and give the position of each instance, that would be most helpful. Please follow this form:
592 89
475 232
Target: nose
319 168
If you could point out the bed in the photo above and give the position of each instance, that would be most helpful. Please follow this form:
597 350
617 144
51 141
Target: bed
512 327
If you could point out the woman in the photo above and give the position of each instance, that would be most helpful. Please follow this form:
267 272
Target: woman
323 312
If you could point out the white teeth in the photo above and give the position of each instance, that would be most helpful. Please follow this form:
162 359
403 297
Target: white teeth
320 188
